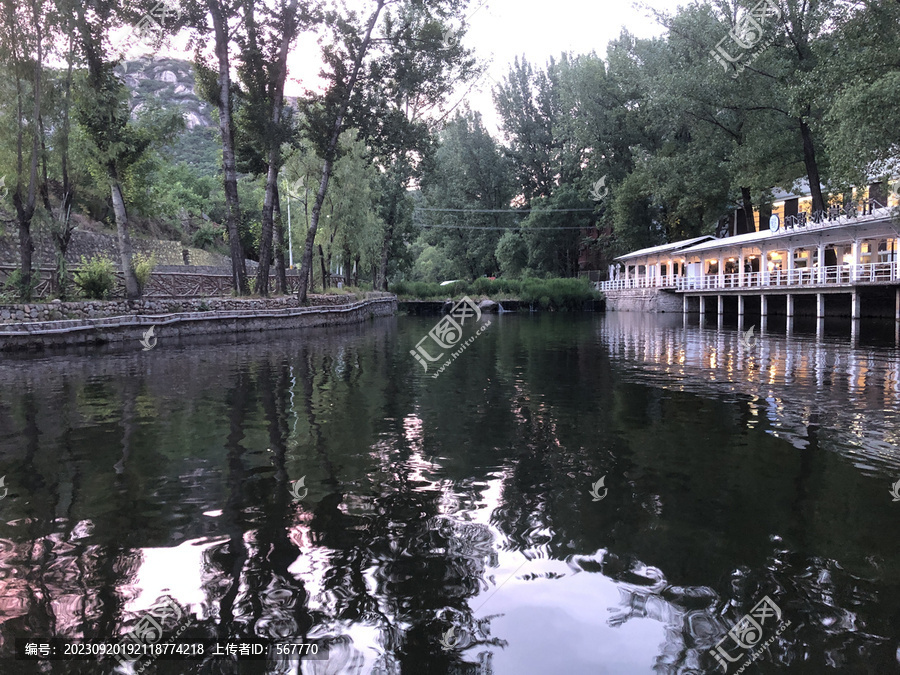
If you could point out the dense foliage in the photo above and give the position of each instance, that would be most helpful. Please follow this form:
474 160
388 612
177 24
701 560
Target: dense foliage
657 141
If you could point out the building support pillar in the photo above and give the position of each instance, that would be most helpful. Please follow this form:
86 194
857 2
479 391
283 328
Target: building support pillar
789 305
820 305
763 305
721 305
684 304
854 304
741 304
702 306
897 304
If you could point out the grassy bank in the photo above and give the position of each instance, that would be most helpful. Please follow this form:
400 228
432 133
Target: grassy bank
545 293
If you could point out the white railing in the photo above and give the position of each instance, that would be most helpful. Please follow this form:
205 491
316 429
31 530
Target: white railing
640 282
835 275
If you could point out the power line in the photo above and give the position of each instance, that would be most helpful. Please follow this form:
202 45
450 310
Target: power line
492 227
503 210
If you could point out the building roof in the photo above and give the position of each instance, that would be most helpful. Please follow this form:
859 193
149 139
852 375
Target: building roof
751 237
674 246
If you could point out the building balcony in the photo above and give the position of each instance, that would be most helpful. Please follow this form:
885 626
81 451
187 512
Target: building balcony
812 277
805 278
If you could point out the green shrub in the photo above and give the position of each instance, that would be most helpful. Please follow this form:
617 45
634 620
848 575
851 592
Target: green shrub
143 267
208 236
96 278
561 294
14 290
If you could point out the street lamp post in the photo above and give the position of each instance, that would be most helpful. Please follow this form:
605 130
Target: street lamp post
290 238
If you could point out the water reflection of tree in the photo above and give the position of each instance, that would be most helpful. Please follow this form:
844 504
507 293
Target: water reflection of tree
416 571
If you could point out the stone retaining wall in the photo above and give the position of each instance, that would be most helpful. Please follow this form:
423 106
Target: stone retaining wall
88 244
643 300
93 309
49 334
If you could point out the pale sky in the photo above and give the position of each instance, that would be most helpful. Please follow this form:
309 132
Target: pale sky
499 30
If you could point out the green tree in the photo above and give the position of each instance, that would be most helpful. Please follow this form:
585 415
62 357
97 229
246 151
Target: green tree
469 183
102 111
22 35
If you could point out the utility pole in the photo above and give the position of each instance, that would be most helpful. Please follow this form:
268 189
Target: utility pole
290 238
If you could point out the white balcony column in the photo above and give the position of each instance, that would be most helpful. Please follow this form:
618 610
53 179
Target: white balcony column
721 305
820 272
789 306
790 266
820 305
763 267
741 305
721 272
741 263
855 251
854 304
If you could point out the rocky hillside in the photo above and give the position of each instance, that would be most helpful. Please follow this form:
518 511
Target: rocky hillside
170 82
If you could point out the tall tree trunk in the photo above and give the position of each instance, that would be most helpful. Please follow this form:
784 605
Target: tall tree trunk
306 262
356 271
226 129
280 275
748 209
25 208
397 189
62 221
322 266
277 96
132 290
812 167
381 277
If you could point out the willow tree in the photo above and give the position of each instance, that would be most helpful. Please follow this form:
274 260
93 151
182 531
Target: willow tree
383 85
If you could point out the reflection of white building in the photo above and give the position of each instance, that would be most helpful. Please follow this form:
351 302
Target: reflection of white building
788 254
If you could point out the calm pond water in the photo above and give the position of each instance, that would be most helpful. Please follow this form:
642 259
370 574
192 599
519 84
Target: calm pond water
459 524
